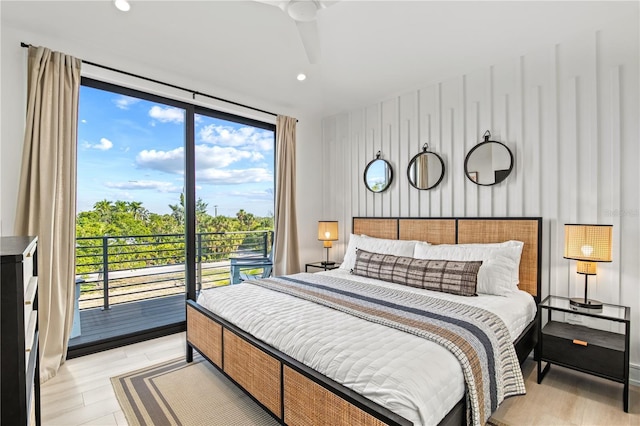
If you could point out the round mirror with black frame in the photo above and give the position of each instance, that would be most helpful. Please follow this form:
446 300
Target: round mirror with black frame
378 174
489 162
425 170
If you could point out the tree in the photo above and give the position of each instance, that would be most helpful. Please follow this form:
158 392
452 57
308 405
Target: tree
121 206
177 211
139 212
247 220
161 234
104 208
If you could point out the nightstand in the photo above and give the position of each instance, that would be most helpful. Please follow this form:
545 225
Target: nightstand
591 341
319 265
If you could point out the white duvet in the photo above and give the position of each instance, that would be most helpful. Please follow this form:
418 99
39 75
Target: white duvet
411 376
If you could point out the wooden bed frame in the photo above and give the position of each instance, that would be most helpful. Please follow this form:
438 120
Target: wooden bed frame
295 394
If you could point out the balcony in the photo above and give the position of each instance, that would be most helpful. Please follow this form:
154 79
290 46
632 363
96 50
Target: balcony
135 284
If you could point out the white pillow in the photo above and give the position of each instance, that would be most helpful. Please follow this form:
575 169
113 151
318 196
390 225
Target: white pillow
375 245
494 276
511 250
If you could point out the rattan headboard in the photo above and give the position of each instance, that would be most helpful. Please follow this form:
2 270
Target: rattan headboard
467 230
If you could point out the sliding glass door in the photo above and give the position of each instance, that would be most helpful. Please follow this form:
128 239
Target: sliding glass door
130 227
148 168
234 166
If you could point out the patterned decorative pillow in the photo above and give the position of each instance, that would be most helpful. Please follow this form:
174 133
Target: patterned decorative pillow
447 276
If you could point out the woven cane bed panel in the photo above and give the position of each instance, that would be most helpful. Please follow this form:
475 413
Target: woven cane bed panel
435 231
254 370
495 231
307 403
205 334
378 228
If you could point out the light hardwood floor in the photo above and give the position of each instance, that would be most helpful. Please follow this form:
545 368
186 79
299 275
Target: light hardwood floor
81 393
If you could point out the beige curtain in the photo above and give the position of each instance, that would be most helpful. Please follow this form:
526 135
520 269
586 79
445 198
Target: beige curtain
286 259
47 194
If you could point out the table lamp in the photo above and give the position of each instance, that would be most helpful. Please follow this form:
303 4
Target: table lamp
587 244
327 232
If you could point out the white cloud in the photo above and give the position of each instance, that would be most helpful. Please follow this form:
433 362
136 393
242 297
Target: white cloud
207 157
165 161
211 162
247 137
167 114
218 157
123 102
83 121
104 145
144 184
234 177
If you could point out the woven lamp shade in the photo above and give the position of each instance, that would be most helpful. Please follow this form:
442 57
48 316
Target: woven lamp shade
328 231
588 243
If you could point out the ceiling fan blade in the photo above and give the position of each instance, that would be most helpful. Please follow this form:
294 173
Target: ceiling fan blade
282 4
310 39
326 3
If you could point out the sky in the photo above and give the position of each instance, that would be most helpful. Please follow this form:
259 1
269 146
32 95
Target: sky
132 149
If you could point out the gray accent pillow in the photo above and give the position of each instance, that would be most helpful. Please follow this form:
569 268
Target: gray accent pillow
447 276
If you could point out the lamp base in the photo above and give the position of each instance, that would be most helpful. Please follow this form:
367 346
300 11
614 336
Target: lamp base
581 303
327 263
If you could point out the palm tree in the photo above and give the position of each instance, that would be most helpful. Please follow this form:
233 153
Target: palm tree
247 220
121 206
139 212
104 209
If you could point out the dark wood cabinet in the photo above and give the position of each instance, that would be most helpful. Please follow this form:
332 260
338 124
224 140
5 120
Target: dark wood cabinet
20 377
587 340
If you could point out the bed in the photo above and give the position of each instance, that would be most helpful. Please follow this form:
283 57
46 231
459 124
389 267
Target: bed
290 376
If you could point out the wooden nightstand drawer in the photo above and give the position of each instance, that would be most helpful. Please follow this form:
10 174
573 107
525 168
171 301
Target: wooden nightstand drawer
596 351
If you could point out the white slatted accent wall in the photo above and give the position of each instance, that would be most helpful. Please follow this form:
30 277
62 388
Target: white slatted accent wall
568 112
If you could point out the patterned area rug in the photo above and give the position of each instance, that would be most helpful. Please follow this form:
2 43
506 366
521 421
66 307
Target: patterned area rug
177 393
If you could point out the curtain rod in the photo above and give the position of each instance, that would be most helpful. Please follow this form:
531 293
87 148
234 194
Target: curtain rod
193 92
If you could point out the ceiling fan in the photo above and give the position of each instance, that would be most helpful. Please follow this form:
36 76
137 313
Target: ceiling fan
304 13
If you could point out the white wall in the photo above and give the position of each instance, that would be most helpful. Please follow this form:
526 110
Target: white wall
569 112
13 82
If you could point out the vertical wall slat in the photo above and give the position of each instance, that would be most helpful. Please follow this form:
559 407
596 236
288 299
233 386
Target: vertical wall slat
521 159
342 193
390 150
459 200
358 139
533 147
616 173
372 146
408 140
559 284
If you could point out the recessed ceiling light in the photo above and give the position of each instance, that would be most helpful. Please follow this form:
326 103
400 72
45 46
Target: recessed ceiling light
301 77
122 5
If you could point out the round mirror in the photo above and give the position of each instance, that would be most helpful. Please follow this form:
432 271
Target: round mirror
378 174
489 162
426 169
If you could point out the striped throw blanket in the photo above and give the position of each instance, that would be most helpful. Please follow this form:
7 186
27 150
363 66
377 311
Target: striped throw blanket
477 338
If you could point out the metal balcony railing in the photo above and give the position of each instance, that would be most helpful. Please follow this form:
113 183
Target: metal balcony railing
118 269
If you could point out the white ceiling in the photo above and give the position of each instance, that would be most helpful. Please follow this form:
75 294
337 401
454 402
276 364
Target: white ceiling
250 51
